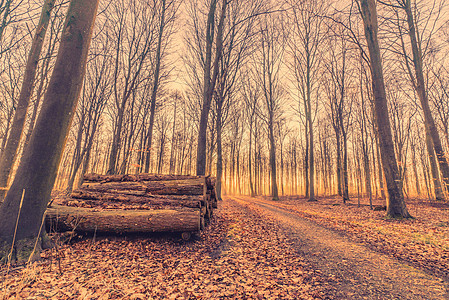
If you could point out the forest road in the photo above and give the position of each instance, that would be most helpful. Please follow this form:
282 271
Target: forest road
354 271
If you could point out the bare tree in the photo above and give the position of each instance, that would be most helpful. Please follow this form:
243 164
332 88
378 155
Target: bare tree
415 68
211 72
9 153
167 16
395 203
134 34
26 200
268 60
306 45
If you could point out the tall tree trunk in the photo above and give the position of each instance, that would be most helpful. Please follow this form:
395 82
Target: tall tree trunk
395 203
380 172
219 127
420 86
438 191
339 172
38 169
155 88
76 159
173 139
9 153
115 147
311 157
274 187
306 162
282 169
345 169
367 176
87 157
415 170
209 81
250 171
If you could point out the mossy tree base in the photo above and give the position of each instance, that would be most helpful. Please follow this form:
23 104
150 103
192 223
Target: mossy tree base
22 252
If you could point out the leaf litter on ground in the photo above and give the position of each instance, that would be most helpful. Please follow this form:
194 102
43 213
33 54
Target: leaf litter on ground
240 255
422 241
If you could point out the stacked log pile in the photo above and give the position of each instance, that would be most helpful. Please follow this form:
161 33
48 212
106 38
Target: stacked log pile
136 203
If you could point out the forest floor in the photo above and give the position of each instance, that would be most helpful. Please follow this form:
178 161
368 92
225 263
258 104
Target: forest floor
422 241
360 253
240 255
256 249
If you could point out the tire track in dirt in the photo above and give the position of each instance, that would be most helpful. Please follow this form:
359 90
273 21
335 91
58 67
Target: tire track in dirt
354 271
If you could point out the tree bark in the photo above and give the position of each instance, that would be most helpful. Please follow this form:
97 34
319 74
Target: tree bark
155 88
420 87
172 187
65 218
209 81
439 195
274 187
250 170
395 203
10 152
138 177
415 169
219 147
37 171
345 168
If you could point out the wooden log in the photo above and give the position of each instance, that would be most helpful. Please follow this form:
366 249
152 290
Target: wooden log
129 205
173 187
170 200
64 218
176 187
113 187
135 177
92 178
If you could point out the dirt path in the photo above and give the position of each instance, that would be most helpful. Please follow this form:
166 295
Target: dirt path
354 271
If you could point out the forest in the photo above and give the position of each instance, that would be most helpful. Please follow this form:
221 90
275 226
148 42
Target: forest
336 103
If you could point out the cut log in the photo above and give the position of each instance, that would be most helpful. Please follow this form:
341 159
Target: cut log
173 200
138 177
186 236
173 187
65 218
136 203
98 204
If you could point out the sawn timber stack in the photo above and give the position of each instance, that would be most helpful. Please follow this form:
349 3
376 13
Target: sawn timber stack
135 203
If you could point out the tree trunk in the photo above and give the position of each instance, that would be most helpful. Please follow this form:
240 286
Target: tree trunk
274 187
38 169
173 139
339 173
395 203
115 146
380 172
439 195
420 87
415 169
311 157
345 169
250 170
155 88
77 157
10 152
209 82
219 147
306 163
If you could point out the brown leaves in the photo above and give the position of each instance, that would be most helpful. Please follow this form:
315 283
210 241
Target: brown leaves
240 256
423 241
